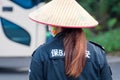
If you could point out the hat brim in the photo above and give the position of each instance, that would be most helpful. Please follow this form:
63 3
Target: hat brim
92 26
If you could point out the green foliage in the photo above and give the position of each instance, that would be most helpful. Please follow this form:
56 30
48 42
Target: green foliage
109 40
89 34
111 22
105 11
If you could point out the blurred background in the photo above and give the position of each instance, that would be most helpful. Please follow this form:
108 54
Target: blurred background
19 36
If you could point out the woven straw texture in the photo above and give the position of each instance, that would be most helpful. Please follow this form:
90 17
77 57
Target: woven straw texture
63 13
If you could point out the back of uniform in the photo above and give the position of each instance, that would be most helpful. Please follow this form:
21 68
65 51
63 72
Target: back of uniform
48 63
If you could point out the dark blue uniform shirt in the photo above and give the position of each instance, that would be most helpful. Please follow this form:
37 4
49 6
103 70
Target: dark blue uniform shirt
48 63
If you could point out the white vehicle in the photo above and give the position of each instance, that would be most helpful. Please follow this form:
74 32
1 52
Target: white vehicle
19 36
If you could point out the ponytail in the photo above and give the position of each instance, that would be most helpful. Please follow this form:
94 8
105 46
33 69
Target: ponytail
75 47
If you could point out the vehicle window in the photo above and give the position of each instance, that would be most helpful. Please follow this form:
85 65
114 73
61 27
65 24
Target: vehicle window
27 4
15 32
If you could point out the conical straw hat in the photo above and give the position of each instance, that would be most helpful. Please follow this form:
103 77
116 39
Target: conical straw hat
63 13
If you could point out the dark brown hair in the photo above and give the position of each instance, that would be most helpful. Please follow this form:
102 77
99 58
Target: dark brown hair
75 46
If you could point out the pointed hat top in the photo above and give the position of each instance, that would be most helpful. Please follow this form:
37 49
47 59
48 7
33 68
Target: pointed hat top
63 13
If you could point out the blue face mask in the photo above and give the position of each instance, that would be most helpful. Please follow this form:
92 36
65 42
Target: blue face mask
53 30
